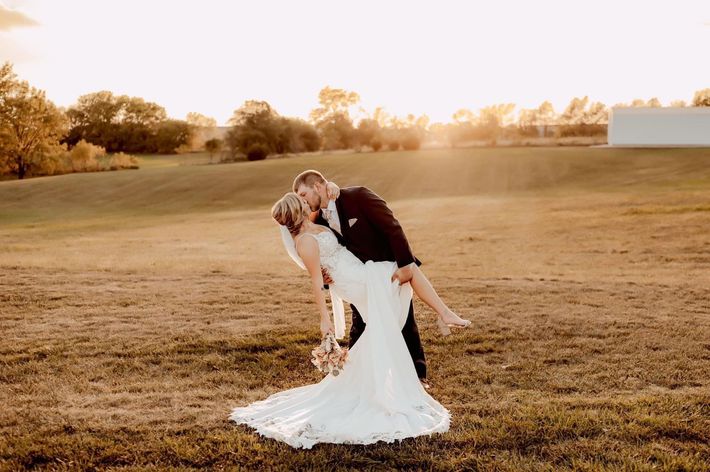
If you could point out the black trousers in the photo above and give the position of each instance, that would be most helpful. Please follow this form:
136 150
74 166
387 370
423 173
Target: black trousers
409 331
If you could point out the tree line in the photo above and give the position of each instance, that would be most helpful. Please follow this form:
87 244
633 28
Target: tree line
101 130
257 130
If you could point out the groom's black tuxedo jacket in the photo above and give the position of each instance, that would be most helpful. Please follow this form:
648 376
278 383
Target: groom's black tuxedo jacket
375 234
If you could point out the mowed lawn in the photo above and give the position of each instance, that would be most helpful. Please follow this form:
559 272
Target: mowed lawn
138 307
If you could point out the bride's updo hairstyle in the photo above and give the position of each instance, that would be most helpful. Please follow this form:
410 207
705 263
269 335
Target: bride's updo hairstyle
288 211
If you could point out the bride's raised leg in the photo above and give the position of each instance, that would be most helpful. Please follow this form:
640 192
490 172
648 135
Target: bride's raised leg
425 291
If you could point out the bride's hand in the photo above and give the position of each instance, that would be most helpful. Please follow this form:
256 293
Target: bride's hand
326 276
326 327
332 190
403 274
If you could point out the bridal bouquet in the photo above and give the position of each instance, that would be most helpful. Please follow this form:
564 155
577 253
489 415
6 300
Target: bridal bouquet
329 357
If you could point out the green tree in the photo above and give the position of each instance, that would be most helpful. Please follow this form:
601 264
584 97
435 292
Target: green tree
368 130
581 118
199 120
381 116
332 118
95 118
596 114
575 111
254 123
30 125
337 131
463 128
702 98
256 126
298 136
546 116
213 146
654 103
464 115
410 139
528 121
333 101
123 123
493 118
170 135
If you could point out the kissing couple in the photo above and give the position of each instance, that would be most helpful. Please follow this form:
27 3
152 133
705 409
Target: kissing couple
350 239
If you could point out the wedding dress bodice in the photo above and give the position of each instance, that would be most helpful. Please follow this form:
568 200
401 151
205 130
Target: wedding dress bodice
330 248
344 268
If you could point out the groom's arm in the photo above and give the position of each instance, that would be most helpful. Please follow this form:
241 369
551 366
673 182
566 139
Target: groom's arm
379 214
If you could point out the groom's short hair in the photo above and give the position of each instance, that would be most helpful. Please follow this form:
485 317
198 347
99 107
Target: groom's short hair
308 178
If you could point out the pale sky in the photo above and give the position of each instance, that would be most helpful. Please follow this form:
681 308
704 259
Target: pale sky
412 56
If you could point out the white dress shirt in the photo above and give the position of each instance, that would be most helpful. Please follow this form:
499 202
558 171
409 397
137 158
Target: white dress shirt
331 216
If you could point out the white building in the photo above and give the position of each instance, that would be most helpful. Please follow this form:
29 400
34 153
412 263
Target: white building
645 126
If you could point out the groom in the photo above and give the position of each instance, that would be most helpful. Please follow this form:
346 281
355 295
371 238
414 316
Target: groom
364 224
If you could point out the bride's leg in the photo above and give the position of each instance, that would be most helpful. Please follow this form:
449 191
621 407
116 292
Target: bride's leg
425 291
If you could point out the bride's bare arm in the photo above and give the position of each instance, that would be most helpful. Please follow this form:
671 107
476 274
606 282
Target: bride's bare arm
307 248
332 190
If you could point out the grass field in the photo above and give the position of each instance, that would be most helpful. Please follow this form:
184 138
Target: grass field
138 307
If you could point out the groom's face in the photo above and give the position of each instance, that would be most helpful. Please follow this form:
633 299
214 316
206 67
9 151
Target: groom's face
311 195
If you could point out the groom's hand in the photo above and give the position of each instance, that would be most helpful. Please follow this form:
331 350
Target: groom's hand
403 274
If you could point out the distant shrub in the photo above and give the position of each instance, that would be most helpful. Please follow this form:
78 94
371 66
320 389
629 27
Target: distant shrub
393 144
227 157
183 149
257 152
54 162
565 131
376 144
84 157
411 142
122 161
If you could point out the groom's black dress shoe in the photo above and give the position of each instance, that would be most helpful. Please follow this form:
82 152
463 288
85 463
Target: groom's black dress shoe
425 384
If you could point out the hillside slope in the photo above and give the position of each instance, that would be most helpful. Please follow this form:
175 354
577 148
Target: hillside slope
398 175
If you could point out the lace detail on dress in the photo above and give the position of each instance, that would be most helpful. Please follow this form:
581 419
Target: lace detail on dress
307 434
329 247
344 268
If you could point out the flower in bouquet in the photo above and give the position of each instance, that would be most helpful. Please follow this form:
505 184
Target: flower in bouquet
329 357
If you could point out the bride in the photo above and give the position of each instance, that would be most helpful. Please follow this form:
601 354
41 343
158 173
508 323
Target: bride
377 396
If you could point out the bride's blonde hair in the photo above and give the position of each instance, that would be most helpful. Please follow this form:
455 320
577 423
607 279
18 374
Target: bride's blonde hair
288 211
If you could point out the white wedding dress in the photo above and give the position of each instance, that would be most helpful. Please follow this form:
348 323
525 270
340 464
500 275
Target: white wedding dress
377 396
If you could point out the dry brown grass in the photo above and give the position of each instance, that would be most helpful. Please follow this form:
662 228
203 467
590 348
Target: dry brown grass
128 337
